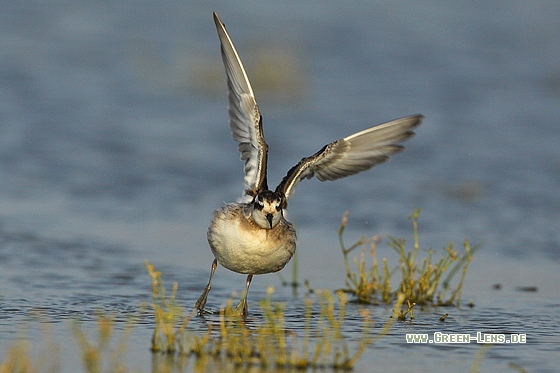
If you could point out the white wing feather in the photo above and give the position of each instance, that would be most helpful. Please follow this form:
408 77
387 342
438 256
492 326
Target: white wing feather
350 155
244 115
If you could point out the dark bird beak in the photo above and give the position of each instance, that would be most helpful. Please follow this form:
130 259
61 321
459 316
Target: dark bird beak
269 218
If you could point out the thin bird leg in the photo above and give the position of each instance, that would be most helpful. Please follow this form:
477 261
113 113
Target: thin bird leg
243 303
201 302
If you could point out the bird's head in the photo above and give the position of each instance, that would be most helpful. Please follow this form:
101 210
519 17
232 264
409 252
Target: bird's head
267 209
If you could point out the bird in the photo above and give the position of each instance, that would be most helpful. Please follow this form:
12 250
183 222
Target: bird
253 236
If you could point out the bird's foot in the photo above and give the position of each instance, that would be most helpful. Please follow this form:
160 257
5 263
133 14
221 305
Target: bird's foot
242 308
201 302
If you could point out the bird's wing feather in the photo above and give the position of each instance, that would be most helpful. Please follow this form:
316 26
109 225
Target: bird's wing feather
350 155
244 116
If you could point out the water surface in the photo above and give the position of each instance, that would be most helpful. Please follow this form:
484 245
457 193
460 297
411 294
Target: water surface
114 149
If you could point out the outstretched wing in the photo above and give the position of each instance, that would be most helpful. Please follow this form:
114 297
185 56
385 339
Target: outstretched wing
245 118
350 155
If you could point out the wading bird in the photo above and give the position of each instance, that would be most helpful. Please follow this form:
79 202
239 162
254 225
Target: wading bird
253 237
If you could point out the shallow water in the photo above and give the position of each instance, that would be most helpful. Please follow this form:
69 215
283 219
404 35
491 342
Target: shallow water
114 149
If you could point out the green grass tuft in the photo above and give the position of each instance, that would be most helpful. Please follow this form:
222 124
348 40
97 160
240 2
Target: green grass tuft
420 280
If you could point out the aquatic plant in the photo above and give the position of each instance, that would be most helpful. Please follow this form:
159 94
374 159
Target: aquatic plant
420 281
101 354
401 314
167 314
230 339
19 359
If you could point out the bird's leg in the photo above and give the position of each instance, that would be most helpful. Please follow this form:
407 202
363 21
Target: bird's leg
242 306
201 302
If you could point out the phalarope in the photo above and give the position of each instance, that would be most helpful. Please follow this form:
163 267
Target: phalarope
253 237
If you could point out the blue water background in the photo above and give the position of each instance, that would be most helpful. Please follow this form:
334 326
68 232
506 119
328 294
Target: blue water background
115 149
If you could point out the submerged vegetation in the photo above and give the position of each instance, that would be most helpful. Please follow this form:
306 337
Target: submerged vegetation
230 339
421 282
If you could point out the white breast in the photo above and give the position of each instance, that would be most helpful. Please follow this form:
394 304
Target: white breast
246 248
